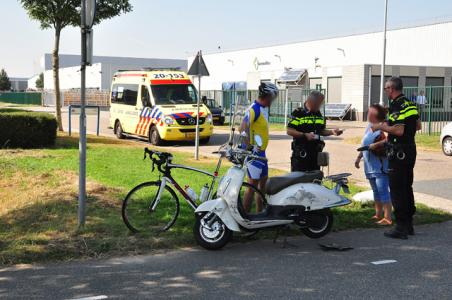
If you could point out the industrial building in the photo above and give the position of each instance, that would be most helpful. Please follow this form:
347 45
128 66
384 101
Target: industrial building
347 67
100 74
18 84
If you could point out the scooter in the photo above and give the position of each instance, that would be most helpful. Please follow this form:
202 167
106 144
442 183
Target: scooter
299 198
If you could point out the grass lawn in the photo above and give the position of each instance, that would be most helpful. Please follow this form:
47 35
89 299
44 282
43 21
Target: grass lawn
38 208
423 141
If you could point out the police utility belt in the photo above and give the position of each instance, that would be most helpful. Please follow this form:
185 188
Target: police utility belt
302 149
398 151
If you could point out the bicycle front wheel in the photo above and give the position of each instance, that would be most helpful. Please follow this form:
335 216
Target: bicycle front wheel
142 211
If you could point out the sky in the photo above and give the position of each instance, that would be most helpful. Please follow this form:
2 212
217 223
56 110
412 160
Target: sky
178 28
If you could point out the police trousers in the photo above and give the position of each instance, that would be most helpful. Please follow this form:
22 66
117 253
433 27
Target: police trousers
401 189
303 164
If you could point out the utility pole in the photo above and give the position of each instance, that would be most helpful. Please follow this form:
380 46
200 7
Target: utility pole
198 68
88 9
197 113
383 63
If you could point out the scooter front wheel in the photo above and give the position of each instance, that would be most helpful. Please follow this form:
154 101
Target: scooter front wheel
210 232
318 223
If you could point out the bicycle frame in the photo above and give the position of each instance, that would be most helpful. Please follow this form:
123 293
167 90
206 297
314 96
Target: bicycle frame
168 178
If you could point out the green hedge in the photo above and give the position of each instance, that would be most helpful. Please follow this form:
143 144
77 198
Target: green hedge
26 129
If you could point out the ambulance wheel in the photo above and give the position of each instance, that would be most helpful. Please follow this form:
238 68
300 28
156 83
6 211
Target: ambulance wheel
319 223
118 130
204 141
154 137
213 237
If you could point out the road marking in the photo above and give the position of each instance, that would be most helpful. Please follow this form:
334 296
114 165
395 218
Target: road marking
92 298
383 262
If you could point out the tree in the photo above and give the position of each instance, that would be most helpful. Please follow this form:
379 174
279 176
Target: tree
58 14
40 81
5 84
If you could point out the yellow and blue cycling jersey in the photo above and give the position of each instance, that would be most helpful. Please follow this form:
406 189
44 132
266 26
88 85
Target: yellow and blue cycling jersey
256 122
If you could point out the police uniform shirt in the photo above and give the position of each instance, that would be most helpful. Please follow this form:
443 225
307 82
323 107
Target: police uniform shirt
305 121
403 112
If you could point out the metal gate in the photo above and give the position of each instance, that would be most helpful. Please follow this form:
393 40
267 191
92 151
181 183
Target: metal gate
434 105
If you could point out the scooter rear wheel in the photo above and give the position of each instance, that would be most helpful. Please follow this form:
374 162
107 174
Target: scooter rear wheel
319 223
211 237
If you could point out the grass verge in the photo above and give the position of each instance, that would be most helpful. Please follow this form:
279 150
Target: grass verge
38 208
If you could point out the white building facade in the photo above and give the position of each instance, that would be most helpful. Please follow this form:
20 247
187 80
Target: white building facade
347 67
100 74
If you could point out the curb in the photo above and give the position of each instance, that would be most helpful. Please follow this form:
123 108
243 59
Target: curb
434 202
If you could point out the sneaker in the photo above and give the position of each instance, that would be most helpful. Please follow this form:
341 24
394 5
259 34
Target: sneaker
411 230
396 234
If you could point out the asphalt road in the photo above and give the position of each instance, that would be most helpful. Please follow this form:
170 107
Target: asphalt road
256 270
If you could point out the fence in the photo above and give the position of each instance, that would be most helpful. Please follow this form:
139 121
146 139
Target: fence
434 105
32 98
277 113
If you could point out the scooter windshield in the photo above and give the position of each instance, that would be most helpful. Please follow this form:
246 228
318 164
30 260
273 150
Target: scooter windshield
239 105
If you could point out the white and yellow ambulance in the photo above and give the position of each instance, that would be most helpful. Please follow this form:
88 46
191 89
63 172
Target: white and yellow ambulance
159 105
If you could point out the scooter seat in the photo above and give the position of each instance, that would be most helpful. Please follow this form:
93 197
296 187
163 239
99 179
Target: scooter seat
278 183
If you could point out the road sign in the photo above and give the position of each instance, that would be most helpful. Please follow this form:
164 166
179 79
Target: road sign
89 110
198 67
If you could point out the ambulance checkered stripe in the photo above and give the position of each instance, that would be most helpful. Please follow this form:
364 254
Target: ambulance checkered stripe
149 116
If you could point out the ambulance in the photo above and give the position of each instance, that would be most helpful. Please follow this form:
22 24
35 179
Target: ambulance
159 104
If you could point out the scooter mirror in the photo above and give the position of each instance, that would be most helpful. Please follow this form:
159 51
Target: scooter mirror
258 140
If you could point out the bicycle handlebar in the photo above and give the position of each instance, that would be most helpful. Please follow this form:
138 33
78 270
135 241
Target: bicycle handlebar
161 159
237 153
255 157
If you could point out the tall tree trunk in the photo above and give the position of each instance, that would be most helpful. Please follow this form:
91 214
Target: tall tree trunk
56 77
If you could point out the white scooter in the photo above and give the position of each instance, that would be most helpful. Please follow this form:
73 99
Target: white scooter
298 198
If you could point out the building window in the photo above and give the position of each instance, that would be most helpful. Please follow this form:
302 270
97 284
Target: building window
410 81
434 90
375 90
410 87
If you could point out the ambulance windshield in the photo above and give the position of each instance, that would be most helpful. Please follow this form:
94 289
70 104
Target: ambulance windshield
174 94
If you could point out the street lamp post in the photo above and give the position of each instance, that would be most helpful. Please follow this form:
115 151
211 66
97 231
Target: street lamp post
88 9
382 83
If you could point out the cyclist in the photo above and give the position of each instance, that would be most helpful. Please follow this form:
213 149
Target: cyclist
254 123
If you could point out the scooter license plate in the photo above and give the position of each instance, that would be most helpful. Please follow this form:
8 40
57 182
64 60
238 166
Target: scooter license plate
190 135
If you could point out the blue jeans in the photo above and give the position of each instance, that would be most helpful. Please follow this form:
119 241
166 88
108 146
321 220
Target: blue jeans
380 187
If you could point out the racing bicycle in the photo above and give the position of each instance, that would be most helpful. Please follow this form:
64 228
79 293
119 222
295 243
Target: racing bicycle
154 206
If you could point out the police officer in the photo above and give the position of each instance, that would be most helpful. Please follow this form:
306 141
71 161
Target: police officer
306 126
401 126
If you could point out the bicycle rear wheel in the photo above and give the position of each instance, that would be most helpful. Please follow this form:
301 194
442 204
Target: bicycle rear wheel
137 211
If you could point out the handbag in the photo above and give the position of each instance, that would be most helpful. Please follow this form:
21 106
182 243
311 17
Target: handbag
381 150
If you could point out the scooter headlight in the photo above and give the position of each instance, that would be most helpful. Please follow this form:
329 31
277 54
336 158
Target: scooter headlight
168 120
209 118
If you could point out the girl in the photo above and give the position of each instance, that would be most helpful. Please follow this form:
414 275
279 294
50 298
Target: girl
376 166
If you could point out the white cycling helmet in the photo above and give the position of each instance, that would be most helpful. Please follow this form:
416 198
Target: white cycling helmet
268 89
